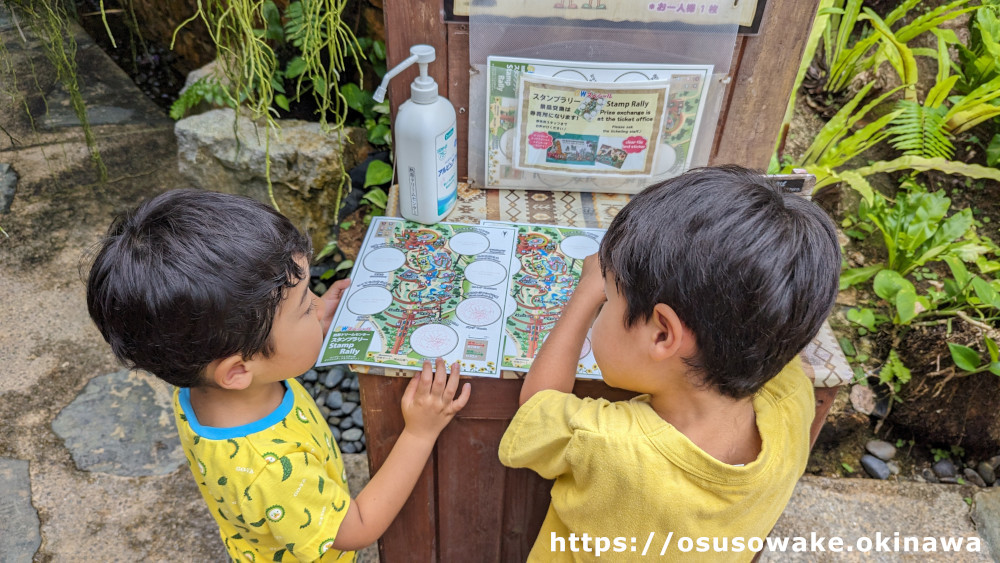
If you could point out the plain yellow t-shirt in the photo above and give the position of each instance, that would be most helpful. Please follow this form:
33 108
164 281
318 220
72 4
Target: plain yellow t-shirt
623 473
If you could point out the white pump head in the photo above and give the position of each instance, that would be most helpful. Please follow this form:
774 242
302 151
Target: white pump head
423 90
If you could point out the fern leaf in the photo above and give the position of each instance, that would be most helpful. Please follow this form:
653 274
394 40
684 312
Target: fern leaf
920 131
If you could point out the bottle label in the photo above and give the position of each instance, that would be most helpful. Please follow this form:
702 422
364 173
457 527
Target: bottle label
446 159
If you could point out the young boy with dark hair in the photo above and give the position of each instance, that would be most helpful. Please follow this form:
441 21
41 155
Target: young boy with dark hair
210 292
707 286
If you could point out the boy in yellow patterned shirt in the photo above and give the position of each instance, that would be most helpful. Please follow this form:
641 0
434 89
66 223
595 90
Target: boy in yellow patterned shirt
707 286
210 293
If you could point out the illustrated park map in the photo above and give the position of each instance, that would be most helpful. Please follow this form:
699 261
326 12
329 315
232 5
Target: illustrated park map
485 296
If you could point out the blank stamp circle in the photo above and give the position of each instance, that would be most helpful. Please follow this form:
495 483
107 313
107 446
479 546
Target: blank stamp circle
469 243
578 246
434 340
369 300
586 347
385 259
485 273
478 311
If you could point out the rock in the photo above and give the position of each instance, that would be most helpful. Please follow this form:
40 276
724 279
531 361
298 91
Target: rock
881 449
346 423
8 186
862 398
352 396
335 400
944 468
336 433
986 515
334 421
333 378
355 384
994 462
348 448
353 434
324 411
973 477
22 536
929 475
875 467
310 376
893 467
987 472
949 480
358 418
306 164
347 407
137 437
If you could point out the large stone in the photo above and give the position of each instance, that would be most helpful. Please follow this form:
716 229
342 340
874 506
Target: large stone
21 537
308 165
986 515
121 423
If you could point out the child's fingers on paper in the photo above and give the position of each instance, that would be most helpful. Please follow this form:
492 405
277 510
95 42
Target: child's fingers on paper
411 390
440 378
424 386
452 386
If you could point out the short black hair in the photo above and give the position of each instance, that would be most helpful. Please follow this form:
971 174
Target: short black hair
189 277
751 270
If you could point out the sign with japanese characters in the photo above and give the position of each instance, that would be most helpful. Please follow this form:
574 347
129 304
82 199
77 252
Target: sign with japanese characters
571 127
704 12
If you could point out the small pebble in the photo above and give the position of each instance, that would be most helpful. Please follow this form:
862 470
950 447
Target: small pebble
875 467
355 384
353 434
944 468
346 423
973 477
333 378
893 467
324 411
336 433
348 448
310 376
994 461
929 475
987 472
352 396
347 407
333 420
335 400
881 449
357 417
949 480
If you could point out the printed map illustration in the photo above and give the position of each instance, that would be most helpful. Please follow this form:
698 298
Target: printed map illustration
422 292
550 260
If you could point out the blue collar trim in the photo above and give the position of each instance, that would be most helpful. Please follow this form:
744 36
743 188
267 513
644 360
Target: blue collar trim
214 433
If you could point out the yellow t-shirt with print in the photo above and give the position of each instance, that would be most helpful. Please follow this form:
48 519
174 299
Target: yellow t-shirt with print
622 472
277 487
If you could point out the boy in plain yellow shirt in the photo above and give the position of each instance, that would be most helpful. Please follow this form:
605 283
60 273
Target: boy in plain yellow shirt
707 286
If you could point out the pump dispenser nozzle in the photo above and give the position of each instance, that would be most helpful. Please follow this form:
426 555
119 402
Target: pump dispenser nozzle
423 90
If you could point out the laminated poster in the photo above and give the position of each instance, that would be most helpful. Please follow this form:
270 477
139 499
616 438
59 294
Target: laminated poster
422 292
687 86
601 129
549 264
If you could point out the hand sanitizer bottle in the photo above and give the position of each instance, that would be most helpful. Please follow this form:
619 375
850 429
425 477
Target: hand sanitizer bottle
426 144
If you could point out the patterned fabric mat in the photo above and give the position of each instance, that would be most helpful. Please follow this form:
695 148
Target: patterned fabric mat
594 210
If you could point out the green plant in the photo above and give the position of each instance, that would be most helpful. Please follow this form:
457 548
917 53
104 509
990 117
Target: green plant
979 61
50 21
894 374
207 89
969 361
312 30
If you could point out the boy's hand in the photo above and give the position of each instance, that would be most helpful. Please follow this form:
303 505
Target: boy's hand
429 401
330 300
591 284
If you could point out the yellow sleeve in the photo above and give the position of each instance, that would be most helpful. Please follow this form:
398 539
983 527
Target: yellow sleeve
299 504
540 435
